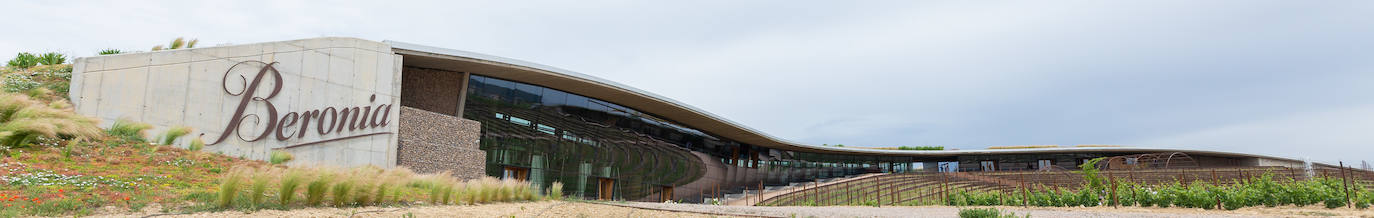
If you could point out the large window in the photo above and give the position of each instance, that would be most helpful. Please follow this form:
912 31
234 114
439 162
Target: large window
547 135
988 165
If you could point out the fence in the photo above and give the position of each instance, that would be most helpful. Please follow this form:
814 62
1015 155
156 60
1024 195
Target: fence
930 188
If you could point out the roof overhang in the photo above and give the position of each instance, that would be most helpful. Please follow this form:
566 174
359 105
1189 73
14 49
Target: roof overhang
487 65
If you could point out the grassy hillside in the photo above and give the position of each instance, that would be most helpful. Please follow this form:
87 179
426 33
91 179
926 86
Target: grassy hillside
58 163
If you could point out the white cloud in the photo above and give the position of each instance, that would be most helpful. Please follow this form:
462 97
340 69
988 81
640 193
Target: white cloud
958 74
1338 134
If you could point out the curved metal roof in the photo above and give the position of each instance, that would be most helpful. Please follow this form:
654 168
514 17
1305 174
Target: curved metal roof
591 86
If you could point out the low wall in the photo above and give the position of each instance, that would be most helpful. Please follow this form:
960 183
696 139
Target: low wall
328 101
431 142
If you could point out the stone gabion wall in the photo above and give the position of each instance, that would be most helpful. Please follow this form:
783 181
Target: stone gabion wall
432 142
439 88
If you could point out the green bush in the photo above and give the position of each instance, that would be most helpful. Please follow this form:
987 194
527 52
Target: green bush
229 189
286 190
196 145
985 213
52 58
314 192
19 83
128 130
922 148
258 189
341 191
170 137
24 60
556 191
279 157
110 51
23 120
177 43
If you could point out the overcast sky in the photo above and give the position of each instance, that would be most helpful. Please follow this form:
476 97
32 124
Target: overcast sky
1286 78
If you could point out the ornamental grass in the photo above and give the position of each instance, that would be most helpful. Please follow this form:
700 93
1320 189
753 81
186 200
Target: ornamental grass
364 186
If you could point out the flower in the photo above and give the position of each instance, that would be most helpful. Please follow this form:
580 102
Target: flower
126 198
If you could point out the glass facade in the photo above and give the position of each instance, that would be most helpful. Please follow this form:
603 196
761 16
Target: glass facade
602 150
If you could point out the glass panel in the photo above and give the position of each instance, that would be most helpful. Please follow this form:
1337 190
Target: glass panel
577 101
500 90
526 95
474 85
553 97
591 140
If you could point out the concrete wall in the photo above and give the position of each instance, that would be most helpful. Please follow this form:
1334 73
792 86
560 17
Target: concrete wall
191 87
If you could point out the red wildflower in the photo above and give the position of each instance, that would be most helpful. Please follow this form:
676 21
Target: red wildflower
59 190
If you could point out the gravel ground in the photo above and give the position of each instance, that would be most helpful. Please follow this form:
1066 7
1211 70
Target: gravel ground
944 211
634 209
529 209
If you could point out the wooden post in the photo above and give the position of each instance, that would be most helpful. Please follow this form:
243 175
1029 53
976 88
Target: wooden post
760 192
1345 185
848 193
1112 178
1215 183
1025 198
879 189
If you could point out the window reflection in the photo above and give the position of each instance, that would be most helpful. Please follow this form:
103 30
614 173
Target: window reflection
583 142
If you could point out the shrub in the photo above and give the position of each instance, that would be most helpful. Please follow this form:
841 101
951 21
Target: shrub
922 148
128 130
19 83
279 157
170 137
196 145
23 120
447 191
259 187
340 192
110 51
177 43
314 192
985 213
23 60
286 190
229 188
556 191
52 58
364 192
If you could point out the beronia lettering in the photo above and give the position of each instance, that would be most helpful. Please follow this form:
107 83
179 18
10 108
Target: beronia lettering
324 121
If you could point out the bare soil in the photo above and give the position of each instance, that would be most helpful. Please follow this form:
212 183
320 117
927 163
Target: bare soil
527 209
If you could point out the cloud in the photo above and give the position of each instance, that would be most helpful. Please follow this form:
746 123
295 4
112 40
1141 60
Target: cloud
1338 134
957 74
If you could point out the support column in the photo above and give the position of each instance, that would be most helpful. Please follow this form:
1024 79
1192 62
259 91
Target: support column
462 92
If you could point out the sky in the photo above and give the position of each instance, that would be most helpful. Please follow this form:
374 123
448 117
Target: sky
1286 78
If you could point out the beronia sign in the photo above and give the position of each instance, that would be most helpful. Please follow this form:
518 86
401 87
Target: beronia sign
326 121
